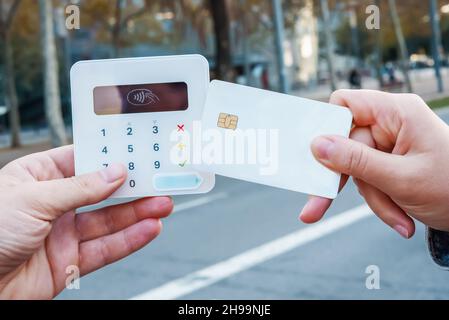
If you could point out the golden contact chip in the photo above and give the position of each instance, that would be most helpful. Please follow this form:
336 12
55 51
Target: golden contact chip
227 121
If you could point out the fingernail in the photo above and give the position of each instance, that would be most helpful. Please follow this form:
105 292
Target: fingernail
402 231
113 173
323 147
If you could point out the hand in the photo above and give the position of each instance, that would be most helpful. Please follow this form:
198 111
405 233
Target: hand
40 235
398 156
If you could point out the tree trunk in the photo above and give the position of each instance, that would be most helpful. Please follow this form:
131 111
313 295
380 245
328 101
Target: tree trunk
245 44
436 42
379 54
329 44
223 60
116 29
12 102
278 19
51 75
404 63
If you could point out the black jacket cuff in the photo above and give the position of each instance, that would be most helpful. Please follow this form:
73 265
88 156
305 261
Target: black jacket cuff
438 244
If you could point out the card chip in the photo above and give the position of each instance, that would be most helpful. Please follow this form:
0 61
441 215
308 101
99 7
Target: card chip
227 121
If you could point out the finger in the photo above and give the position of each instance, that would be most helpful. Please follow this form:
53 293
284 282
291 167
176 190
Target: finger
48 165
316 207
109 220
387 210
56 197
358 160
64 160
365 105
100 252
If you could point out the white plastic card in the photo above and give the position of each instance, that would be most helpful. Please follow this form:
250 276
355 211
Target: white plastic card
265 137
127 111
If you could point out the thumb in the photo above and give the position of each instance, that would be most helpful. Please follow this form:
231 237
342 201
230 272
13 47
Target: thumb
56 197
356 159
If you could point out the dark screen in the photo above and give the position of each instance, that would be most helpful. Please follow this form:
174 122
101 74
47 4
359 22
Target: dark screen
158 97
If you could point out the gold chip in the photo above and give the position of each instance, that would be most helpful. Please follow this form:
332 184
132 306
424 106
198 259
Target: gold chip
227 121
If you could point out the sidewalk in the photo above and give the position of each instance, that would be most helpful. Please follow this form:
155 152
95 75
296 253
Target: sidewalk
423 82
32 141
7 154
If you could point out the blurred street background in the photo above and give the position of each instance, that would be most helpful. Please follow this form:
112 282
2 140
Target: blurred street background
242 241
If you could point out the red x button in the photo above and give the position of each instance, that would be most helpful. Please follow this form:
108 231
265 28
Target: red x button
180 128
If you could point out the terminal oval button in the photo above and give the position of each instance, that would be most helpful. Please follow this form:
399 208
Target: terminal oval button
177 181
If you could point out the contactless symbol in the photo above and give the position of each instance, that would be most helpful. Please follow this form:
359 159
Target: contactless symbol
227 121
142 97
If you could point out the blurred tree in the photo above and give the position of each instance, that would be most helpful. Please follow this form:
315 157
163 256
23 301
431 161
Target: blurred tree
109 23
414 24
378 59
253 27
329 43
201 20
223 61
116 29
52 96
243 36
404 63
28 70
121 20
8 10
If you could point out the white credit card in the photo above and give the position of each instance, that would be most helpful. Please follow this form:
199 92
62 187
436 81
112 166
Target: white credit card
265 137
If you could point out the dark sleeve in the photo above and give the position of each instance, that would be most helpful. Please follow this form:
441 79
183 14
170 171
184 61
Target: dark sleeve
438 244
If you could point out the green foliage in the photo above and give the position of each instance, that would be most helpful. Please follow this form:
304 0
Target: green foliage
439 103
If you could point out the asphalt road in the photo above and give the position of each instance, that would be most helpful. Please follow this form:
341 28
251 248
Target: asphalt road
239 216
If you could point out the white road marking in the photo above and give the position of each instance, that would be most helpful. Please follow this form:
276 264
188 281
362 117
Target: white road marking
200 201
246 260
